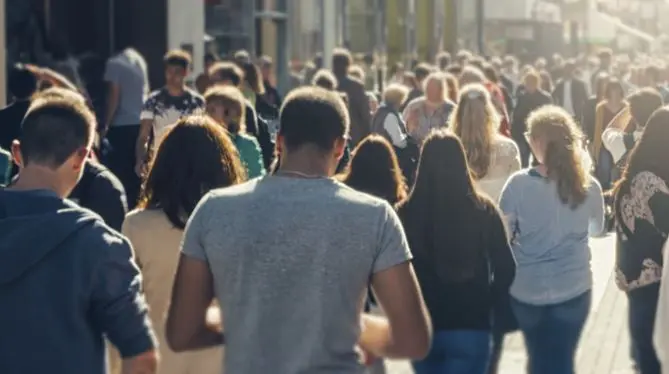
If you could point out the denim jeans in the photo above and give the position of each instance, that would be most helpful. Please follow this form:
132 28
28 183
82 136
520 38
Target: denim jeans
642 309
552 333
457 352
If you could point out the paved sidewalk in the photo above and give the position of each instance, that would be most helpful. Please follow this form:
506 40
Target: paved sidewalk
604 347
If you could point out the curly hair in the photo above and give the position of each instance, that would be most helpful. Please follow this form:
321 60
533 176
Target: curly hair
194 157
475 122
563 158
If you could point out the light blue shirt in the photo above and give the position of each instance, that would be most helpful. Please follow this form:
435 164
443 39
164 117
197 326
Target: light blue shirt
549 238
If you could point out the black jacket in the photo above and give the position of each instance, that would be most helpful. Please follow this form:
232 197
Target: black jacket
526 104
579 96
358 107
100 191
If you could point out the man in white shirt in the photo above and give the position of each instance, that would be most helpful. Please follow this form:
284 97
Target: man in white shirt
618 138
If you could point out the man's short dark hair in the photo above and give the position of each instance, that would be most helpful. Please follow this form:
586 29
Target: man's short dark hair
241 57
313 116
211 57
227 71
178 58
266 62
422 70
443 60
341 61
22 83
54 128
643 103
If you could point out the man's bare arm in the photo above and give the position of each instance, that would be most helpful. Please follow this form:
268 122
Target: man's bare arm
145 363
113 96
142 146
187 327
407 330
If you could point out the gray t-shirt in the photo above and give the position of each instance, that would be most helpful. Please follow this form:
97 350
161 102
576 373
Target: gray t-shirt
128 71
291 260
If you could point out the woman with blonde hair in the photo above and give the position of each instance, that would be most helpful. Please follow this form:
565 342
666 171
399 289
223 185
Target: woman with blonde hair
431 111
453 87
551 210
492 158
472 75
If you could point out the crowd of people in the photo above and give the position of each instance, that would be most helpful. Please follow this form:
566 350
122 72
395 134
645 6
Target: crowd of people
225 228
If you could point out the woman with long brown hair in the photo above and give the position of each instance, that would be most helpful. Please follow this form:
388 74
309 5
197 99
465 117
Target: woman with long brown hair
642 223
374 169
461 254
551 210
492 157
195 156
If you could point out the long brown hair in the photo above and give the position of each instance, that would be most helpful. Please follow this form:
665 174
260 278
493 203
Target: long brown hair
374 169
475 121
563 152
194 157
647 154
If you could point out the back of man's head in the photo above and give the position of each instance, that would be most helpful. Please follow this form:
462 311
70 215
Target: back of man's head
422 70
643 103
341 61
226 72
22 83
54 129
313 116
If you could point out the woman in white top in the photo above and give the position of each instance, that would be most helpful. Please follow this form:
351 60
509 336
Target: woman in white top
492 157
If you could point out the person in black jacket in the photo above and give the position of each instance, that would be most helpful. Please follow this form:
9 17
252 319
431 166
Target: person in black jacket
358 103
462 257
100 191
570 92
529 100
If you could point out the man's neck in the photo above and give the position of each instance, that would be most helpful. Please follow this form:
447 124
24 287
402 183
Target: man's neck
175 91
40 178
307 163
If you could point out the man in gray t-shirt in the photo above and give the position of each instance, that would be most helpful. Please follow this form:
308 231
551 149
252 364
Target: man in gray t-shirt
289 258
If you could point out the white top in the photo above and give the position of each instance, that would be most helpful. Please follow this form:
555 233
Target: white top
613 140
392 125
504 162
661 337
568 104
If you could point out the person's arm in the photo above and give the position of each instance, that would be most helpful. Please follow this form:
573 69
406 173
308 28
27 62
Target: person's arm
392 127
118 307
365 114
52 77
407 331
597 223
502 261
613 137
187 327
507 205
108 199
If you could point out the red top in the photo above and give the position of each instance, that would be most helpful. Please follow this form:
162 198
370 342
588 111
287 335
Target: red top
498 100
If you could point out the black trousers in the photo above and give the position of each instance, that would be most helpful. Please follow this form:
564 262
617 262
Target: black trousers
120 159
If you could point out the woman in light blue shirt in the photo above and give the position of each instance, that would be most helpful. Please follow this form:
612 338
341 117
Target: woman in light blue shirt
552 209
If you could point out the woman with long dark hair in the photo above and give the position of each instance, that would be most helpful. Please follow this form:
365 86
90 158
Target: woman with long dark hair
642 224
461 256
194 157
374 169
551 210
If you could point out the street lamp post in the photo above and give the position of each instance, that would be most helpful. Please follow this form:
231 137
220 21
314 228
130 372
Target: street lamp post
480 26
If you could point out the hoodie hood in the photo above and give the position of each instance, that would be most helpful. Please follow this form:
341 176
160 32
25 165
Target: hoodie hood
32 225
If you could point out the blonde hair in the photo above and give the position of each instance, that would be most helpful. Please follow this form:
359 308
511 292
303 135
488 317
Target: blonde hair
532 75
471 74
475 121
440 79
395 94
231 98
563 157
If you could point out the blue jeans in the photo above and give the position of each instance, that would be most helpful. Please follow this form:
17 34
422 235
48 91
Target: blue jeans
552 333
457 352
642 309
